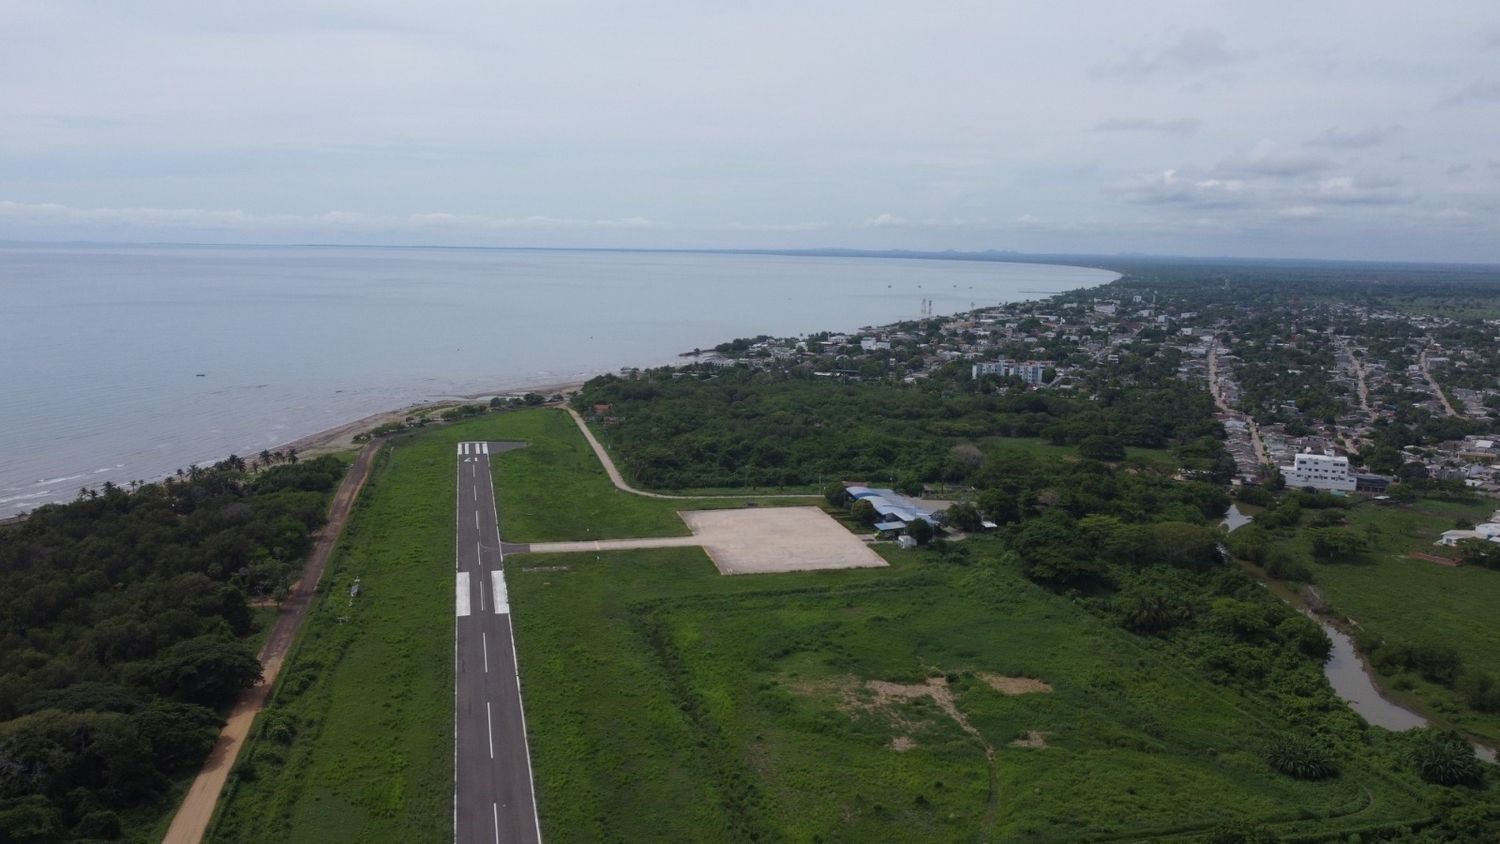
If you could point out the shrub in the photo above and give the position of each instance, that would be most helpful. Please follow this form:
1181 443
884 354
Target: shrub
1479 690
1301 757
1443 757
1101 448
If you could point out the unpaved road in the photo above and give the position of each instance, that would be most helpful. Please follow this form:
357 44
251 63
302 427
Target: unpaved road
619 480
191 820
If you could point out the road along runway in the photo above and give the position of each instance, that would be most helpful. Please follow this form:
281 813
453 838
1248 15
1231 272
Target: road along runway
494 799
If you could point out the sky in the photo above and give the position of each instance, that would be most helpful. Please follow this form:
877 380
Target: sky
1335 129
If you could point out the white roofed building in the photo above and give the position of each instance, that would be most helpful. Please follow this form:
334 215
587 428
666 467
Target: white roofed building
1319 471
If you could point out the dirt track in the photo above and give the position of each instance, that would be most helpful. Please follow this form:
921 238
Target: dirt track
197 809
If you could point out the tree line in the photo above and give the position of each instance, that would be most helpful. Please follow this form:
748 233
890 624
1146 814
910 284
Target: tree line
123 620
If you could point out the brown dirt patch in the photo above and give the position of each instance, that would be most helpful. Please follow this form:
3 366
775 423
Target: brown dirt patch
1433 558
1013 685
901 744
1032 739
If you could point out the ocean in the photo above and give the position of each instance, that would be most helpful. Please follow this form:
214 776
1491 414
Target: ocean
126 363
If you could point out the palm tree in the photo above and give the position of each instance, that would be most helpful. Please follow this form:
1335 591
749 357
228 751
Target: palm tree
265 458
291 455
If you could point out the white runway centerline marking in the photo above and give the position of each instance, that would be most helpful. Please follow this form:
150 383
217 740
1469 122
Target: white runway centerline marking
461 594
484 639
502 598
489 722
479 554
495 810
481 596
476 520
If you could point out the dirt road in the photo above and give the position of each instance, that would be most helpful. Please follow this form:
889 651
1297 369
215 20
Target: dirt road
191 820
619 480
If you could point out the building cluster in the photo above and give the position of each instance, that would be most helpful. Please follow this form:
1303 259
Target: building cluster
1318 382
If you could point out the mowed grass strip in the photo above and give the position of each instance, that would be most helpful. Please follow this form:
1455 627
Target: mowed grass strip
555 489
356 744
666 702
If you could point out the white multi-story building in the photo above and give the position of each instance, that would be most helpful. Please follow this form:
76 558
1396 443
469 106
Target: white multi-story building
1319 471
1030 371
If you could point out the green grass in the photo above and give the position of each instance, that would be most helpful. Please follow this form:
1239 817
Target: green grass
1160 458
556 489
668 703
1391 594
369 686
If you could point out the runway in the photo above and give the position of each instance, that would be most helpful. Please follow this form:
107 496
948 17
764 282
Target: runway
494 799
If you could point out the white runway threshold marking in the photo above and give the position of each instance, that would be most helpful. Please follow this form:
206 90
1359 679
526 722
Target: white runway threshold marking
461 593
502 598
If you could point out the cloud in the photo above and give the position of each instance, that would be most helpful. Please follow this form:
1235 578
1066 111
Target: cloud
896 221
350 222
1194 52
1493 43
1478 91
1182 126
1459 169
1335 137
1347 190
1269 159
1172 187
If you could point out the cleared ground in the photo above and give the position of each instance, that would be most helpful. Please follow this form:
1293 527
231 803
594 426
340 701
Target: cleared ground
751 541
756 541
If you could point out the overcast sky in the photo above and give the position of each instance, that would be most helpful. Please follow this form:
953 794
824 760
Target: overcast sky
1336 129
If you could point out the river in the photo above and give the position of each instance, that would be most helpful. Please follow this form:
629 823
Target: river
1350 679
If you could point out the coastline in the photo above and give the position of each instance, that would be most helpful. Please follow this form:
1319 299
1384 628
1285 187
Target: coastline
341 437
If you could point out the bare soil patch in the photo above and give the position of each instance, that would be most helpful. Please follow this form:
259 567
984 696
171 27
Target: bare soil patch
777 539
1433 558
1013 685
901 744
1032 739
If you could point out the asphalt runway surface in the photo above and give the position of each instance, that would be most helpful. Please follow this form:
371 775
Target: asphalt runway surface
494 799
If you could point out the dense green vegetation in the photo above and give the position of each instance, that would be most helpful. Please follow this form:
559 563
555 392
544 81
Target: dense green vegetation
314 769
738 427
556 489
669 703
125 628
355 743
1423 625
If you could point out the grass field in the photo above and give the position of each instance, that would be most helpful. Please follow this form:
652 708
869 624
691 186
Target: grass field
668 703
367 692
555 488
1390 593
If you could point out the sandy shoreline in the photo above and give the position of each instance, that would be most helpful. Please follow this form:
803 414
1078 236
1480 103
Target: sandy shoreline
341 437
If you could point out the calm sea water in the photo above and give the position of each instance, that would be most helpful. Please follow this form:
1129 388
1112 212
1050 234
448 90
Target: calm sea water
102 346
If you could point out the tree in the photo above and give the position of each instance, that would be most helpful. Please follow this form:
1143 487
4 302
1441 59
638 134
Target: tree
206 671
864 512
919 530
1100 447
836 494
1334 544
963 516
1443 757
1479 552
